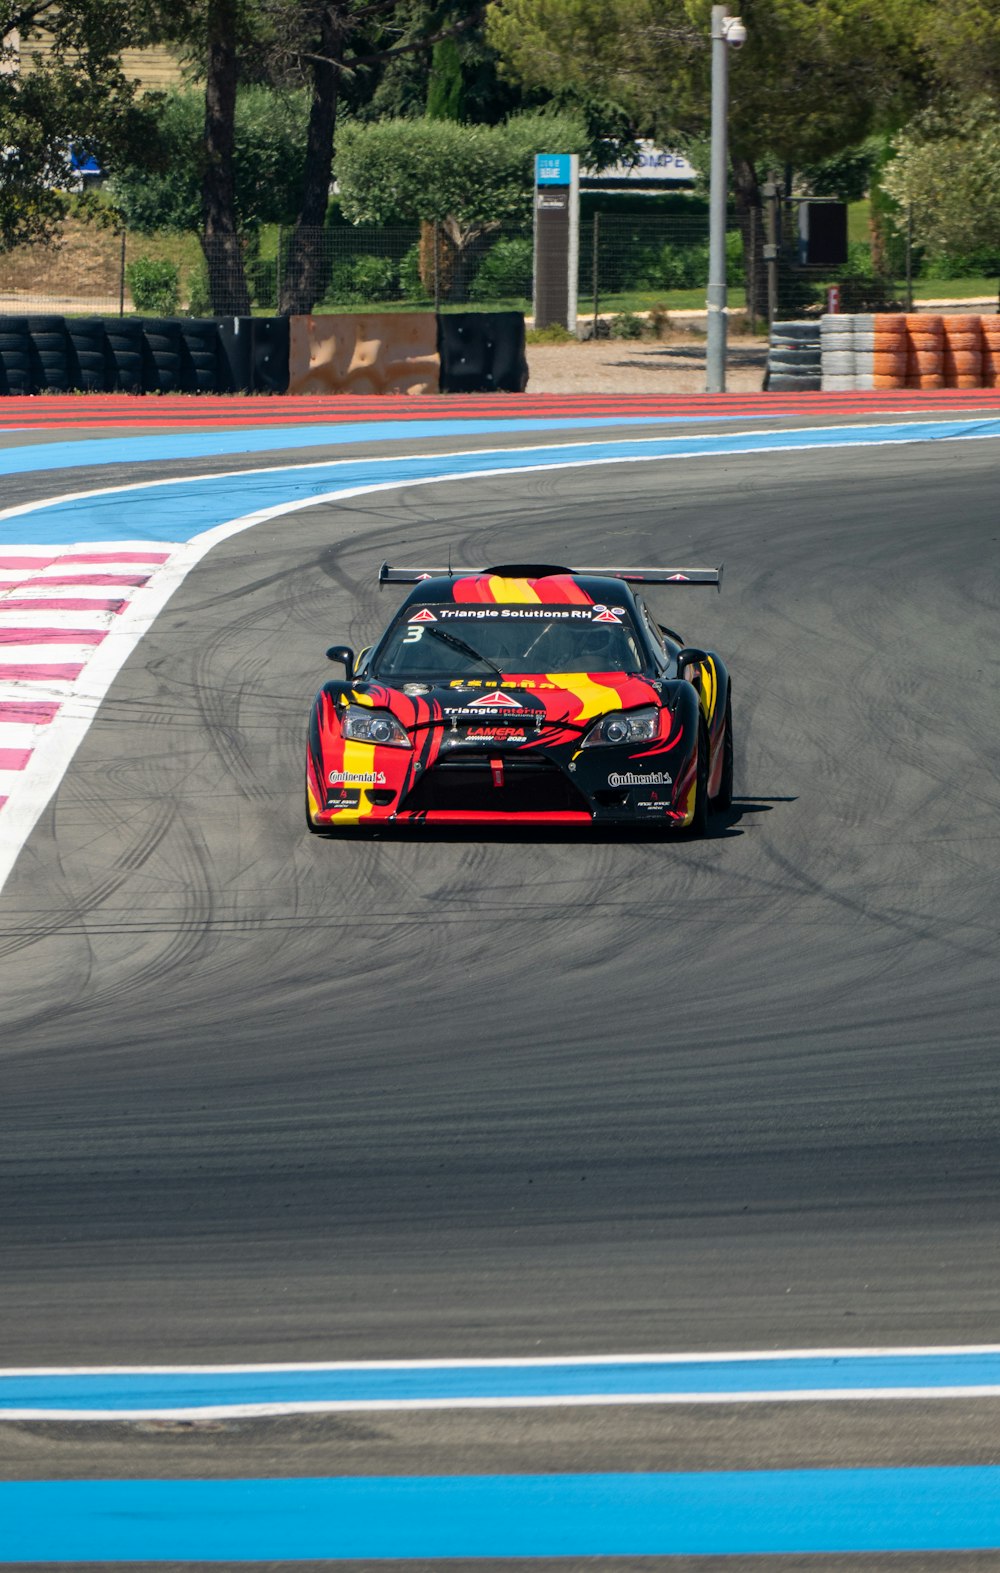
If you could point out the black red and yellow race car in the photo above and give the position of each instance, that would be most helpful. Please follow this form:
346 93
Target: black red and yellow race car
525 693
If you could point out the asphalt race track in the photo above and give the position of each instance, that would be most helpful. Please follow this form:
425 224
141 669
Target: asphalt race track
268 1097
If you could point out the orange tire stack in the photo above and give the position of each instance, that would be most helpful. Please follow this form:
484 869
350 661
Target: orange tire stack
925 365
990 328
891 351
963 352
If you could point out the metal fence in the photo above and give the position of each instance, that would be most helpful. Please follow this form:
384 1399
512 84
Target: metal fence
630 264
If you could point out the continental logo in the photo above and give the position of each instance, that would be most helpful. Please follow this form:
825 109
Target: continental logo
630 779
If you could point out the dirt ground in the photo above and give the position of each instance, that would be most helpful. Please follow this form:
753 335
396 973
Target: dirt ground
639 366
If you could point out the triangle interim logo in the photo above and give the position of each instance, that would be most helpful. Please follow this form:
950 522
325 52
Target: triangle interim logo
605 617
495 701
424 616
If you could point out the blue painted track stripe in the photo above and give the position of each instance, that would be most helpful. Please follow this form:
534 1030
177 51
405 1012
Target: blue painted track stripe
111 1392
162 447
180 510
756 1512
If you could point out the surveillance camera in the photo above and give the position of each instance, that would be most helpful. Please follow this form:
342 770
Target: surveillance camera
734 32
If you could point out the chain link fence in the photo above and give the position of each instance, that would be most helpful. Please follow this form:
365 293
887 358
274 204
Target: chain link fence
630 266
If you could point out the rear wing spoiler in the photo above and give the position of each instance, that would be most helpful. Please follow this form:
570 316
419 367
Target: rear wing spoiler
704 576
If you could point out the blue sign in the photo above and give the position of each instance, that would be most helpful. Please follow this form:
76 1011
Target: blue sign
553 169
83 163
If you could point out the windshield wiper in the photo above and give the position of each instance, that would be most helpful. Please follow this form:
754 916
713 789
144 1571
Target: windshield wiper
466 649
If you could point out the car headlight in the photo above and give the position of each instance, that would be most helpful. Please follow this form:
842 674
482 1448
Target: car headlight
362 725
624 727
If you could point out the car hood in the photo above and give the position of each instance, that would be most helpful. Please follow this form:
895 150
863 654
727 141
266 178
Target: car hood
565 699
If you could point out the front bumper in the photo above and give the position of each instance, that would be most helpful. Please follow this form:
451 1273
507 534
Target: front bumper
525 785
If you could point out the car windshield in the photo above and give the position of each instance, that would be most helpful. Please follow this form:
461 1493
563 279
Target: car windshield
508 639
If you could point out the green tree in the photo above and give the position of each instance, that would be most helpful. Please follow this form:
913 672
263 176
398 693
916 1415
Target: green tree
960 40
329 43
75 93
815 76
445 93
467 179
163 190
944 172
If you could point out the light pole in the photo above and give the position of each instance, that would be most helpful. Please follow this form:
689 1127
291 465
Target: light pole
728 33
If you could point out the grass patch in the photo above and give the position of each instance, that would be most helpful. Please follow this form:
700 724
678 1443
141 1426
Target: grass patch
555 333
956 289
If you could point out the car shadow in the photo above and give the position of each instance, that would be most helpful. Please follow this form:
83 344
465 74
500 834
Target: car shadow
721 827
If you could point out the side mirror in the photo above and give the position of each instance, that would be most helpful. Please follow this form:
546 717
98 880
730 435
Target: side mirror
344 653
689 664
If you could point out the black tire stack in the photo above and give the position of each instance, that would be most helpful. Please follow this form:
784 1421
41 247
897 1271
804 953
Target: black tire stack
794 358
88 354
162 361
49 355
15 355
126 354
199 351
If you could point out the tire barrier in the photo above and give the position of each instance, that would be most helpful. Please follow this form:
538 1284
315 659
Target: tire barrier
271 339
199 354
88 354
837 353
887 350
925 365
49 355
384 352
234 373
991 351
163 358
963 352
794 358
381 352
15 355
482 352
126 354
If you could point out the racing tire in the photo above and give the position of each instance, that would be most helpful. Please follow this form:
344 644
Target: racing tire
88 357
795 332
784 355
699 824
723 799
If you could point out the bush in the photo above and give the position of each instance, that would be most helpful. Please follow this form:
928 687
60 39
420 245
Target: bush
262 280
859 259
677 265
867 294
411 285
961 265
362 281
626 326
505 272
154 286
555 333
199 297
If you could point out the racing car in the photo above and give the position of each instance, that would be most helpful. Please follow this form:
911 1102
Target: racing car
524 693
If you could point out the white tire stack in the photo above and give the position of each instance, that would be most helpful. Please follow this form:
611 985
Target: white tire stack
838 354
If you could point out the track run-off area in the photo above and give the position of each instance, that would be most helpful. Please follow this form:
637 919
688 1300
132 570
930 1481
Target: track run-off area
507 1196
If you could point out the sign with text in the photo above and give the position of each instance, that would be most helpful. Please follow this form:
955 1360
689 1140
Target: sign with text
553 169
557 239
